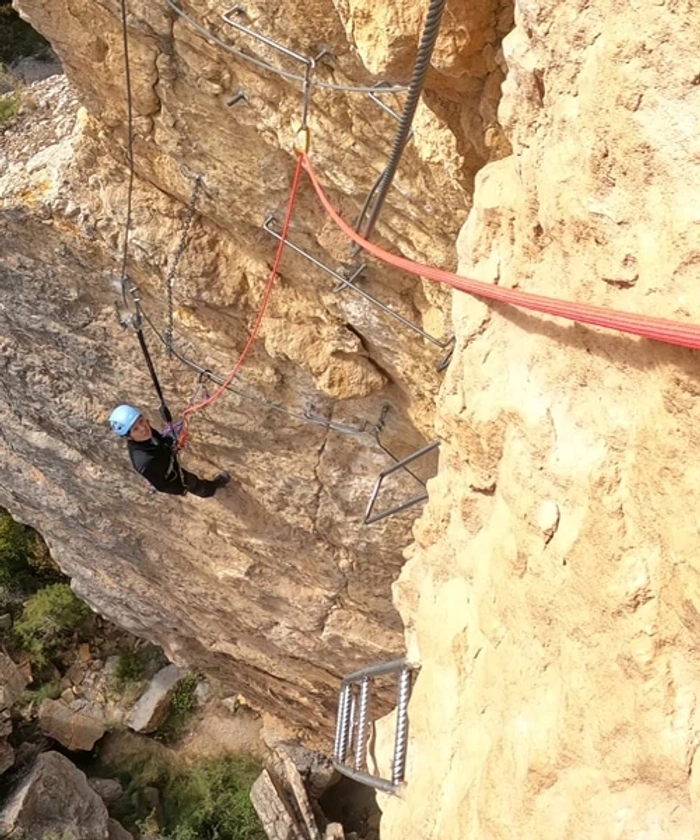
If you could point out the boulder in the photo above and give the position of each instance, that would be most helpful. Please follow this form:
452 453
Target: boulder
152 707
316 769
7 756
73 728
5 622
334 831
273 810
54 800
109 790
293 784
118 832
12 682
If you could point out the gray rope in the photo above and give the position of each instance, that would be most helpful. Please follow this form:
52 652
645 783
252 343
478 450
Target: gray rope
265 65
129 147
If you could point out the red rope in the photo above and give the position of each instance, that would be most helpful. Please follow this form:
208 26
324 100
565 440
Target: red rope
659 329
191 409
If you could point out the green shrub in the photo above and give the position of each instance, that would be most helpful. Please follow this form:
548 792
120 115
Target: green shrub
211 801
130 667
182 704
25 562
9 105
48 620
47 691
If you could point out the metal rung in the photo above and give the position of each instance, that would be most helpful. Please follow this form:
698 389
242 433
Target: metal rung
355 692
369 518
373 95
238 9
349 282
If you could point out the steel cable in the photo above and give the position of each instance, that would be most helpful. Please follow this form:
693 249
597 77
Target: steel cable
379 191
272 68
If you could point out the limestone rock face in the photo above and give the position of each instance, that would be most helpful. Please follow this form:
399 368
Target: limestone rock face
275 587
552 594
54 800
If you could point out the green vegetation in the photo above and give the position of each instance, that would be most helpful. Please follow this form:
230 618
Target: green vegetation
209 800
182 704
47 691
9 105
17 38
212 800
130 667
25 562
48 622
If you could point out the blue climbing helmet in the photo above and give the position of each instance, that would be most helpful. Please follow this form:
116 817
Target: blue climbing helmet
123 418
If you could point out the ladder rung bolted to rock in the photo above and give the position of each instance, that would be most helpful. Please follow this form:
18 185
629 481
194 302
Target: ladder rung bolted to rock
352 725
370 516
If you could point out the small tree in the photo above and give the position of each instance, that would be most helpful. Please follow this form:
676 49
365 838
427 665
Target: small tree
48 620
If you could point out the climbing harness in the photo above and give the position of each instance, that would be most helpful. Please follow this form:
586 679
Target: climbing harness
177 256
647 326
353 724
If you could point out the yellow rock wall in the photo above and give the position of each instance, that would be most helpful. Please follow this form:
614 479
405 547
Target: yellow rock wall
552 592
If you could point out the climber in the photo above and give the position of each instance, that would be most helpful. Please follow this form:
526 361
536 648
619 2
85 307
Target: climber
154 456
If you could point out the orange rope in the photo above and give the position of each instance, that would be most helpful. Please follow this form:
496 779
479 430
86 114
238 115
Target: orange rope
261 313
648 326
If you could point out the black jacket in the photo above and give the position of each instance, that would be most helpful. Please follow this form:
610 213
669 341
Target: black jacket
156 462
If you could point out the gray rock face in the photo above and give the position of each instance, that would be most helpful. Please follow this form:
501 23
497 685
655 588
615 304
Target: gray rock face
7 756
54 799
315 769
118 832
12 683
274 812
75 729
109 790
274 587
152 708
